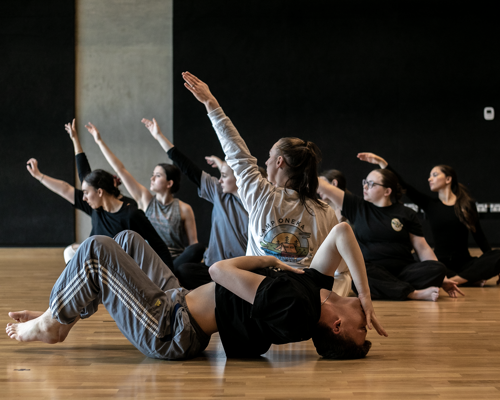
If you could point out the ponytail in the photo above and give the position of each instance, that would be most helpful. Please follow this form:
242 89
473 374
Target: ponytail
302 159
465 209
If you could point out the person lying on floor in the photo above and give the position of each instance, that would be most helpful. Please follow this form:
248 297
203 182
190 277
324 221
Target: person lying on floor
254 301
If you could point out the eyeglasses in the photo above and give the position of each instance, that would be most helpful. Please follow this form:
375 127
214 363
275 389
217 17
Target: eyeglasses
370 184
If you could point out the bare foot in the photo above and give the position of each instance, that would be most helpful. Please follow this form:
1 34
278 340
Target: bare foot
43 329
24 316
429 294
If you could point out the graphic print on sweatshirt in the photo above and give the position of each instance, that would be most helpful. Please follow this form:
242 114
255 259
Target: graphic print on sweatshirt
287 242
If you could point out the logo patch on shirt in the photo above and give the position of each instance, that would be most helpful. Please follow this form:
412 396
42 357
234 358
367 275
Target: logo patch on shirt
158 303
286 242
396 225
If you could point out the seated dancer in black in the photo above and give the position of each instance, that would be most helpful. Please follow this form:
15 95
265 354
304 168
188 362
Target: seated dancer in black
229 232
387 231
452 215
254 302
83 169
99 199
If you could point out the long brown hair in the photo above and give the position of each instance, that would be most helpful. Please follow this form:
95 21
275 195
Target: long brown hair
302 158
464 206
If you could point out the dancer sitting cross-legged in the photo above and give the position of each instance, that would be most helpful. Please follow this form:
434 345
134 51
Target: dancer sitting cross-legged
253 303
387 232
172 218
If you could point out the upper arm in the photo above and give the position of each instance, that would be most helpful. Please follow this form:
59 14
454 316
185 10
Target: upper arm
331 192
187 216
138 192
243 284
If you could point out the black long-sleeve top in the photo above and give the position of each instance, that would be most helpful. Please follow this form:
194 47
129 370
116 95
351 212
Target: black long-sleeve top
83 168
450 235
188 168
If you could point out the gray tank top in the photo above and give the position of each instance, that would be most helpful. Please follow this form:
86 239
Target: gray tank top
168 223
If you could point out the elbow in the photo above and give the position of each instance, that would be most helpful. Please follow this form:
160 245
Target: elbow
214 270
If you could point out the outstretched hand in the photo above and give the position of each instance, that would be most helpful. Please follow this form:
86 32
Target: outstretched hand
451 288
94 132
200 91
371 318
152 127
372 159
32 167
71 129
214 161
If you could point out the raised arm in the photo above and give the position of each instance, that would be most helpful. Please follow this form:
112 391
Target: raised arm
235 275
341 244
188 168
157 134
328 191
139 193
215 162
251 185
63 189
73 135
413 194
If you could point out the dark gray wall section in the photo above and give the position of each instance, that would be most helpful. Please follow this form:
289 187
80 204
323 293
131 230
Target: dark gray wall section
37 77
407 80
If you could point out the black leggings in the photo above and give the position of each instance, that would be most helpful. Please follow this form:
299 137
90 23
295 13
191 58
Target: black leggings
387 283
476 268
192 275
192 253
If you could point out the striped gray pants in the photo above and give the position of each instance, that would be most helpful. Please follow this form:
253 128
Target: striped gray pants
138 290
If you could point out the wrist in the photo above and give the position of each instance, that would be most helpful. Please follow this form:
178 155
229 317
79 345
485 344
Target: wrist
211 104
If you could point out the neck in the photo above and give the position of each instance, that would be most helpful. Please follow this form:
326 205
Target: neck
165 198
447 197
383 202
111 204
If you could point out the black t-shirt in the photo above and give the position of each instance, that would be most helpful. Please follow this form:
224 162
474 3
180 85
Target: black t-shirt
128 217
451 237
286 309
383 233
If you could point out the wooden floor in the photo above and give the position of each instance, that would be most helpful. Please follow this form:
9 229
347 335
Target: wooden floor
444 350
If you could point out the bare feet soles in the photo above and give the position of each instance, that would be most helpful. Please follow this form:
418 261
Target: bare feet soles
24 316
41 328
429 294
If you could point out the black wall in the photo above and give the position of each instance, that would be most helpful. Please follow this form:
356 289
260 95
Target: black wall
407 80
37 80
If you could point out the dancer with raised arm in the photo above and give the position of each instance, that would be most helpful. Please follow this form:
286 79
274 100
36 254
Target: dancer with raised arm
452 215
229 232
83 169
286 219
166 321
99 199
387 231
172 218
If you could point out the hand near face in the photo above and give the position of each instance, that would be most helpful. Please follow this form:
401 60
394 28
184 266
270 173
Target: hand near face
371 318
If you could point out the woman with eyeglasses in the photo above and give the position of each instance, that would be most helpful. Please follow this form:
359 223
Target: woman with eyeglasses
387 232
452 215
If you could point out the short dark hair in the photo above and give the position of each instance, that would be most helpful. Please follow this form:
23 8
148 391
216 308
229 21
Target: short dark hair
173 174
337 346
332 174
100 179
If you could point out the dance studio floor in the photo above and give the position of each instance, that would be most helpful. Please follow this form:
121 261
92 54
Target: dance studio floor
444 350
